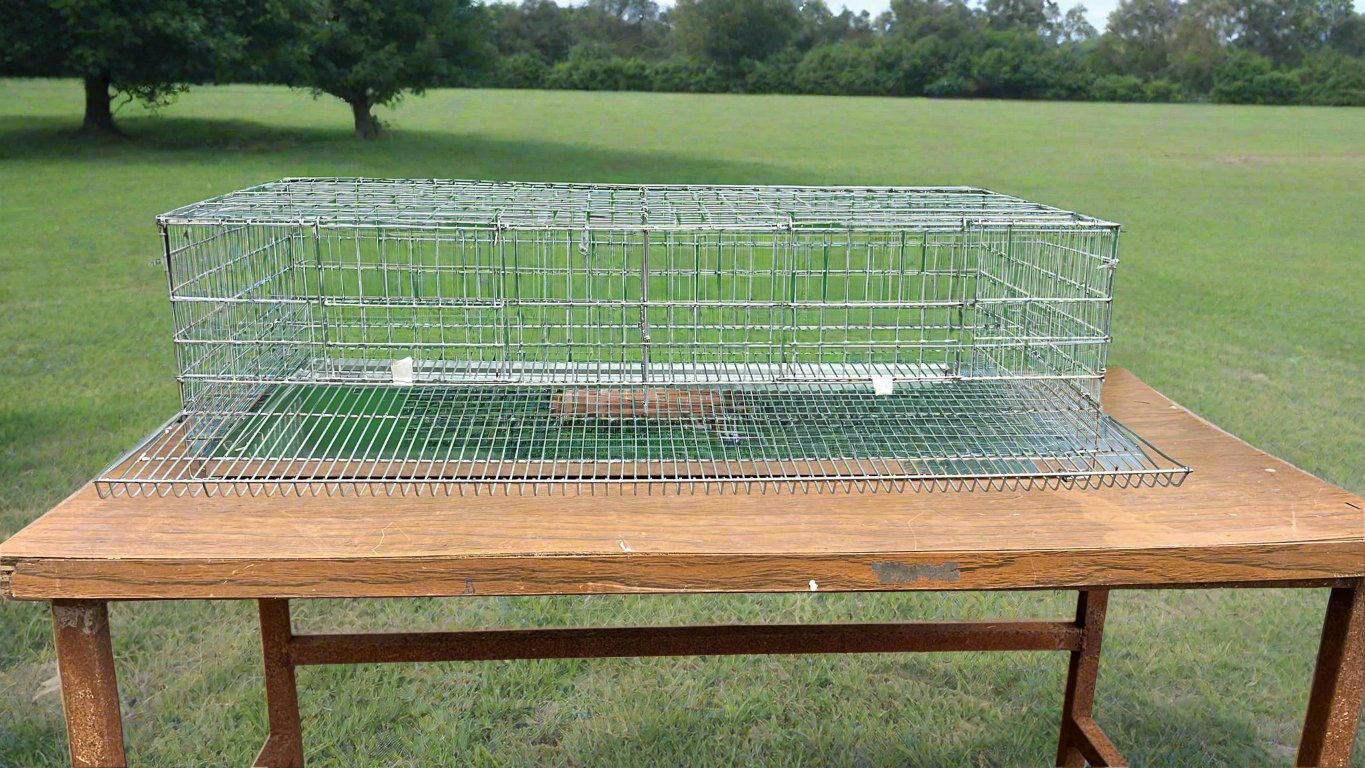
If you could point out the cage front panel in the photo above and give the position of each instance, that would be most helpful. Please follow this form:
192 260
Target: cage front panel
578 337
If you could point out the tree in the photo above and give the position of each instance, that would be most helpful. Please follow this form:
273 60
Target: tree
1074 27
630 27
1284 31
1032 15
728 32
1137 39
372 52
540 27
148 50
1198 42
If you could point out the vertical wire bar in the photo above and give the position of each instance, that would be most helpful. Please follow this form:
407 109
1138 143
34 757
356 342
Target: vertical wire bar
644 306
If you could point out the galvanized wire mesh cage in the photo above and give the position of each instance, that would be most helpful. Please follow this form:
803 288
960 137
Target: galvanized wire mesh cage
396 336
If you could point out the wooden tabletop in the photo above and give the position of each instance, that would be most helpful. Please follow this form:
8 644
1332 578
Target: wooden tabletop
1242 516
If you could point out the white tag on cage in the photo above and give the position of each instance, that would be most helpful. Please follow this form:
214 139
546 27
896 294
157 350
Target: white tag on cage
883 385
402 371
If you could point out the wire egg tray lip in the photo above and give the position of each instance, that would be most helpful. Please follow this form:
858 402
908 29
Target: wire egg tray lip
313 439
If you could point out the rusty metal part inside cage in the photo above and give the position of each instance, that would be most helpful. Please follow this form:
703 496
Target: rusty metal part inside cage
400 336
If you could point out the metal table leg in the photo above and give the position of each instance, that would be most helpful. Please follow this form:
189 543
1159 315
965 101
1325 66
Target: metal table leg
284 746
1081 741
1338 682
85 662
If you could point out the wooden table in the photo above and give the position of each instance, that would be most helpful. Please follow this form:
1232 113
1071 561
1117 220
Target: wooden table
1243 519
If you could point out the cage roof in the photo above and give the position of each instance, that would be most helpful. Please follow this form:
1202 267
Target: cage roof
440 203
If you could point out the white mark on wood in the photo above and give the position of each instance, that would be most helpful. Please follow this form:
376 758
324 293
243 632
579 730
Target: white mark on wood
1271 470
623 545
74 617
813 586
383 534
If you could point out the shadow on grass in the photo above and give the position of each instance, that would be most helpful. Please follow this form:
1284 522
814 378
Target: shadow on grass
41 137
333 151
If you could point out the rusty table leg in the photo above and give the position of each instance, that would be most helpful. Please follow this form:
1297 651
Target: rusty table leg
85 662
284 746
1338 682
1081 741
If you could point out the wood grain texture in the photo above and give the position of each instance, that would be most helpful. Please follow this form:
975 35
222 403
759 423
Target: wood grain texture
1243 516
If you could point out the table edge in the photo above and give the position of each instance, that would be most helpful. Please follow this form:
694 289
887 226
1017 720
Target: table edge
662 573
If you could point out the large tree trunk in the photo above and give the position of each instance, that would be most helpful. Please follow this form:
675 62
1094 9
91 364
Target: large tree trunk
98 118
366 125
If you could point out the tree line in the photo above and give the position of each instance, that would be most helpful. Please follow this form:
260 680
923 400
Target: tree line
372 52
1238 51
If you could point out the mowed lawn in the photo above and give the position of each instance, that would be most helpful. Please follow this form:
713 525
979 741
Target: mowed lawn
1239 293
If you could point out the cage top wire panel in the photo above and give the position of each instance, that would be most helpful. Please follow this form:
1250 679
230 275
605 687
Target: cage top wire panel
393 336
408 203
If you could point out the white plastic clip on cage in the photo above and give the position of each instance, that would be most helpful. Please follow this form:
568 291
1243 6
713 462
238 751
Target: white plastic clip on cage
396 336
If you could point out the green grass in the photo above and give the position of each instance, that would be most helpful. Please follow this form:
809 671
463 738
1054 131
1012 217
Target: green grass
1239 294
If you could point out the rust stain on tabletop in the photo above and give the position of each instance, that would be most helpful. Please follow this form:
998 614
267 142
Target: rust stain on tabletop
892 572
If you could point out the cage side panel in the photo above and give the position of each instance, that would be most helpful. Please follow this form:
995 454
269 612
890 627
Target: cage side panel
1042 307
889 303
240 313
602 306
481 304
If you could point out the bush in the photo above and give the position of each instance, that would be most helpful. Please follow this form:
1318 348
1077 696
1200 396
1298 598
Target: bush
591 70
1162 91
1245 78
776 74
1333 80
907 68
520 70
846 69
686 76
1016 64
948 86
1276 88
1118 88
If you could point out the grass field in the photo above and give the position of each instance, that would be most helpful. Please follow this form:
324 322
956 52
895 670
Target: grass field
1239 294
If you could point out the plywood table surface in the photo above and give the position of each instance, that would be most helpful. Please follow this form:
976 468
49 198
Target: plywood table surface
1242 516
1243 519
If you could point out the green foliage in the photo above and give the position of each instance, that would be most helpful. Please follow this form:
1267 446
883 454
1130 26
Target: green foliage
1247 78
1138 39
687 76
371 52
730 31
589 69
1020 65
149 50
846 68
520 70
1331 79
1129 88
776 74
1162 91
1118 88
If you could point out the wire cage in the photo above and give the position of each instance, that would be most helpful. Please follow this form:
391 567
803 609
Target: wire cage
401 336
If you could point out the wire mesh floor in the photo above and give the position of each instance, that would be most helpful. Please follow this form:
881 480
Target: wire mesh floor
330 439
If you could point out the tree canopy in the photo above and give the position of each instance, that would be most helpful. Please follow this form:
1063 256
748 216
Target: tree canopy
144 49
373 52
370 52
